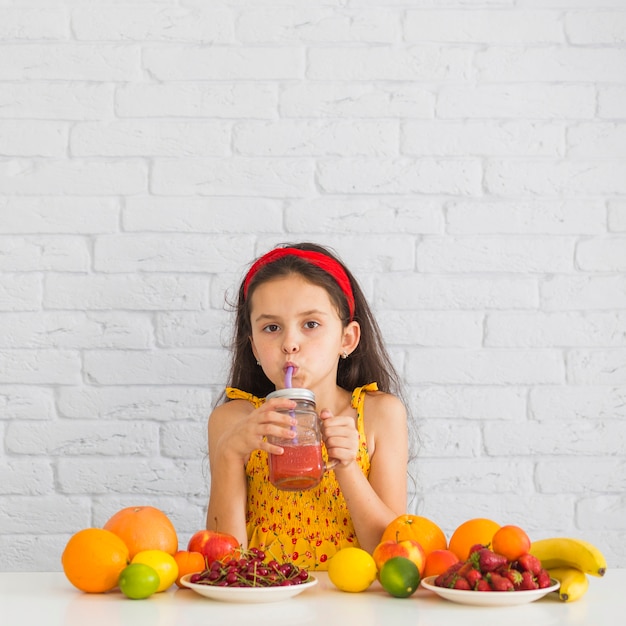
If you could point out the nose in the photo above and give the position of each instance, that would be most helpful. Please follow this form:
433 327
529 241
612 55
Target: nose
290 344
290 347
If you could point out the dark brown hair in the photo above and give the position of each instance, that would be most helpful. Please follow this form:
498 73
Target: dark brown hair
368 363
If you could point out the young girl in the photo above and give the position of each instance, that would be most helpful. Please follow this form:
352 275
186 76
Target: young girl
300 307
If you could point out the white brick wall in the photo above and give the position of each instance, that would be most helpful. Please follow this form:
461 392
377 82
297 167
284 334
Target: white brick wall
466 158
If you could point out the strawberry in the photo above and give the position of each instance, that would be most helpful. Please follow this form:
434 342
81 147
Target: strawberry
528 582
475 548
486 560
461 583
543 579
482 585
513 575
499 583
472 577
455 567
445 579
529 563
465 568
454 576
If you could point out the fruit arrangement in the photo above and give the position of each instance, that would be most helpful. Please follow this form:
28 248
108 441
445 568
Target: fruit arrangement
481 555
510 562
501 564
486 570
137 551
250 569
398 561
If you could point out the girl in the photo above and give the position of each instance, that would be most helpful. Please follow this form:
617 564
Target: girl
300 307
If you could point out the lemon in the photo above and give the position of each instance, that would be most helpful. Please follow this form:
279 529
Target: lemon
138 581
399 576
164 564
352 569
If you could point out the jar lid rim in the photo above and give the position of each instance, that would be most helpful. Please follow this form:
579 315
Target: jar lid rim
295 393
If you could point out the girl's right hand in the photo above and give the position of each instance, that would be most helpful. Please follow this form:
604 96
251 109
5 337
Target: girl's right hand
239 433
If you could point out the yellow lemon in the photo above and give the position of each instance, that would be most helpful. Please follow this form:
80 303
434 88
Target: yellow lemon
352 569
163 563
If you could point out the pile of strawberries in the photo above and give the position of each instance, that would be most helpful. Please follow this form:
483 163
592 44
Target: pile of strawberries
485 570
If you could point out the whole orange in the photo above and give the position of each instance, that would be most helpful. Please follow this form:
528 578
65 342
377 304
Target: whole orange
144 528
438 561
188 563
417 528
93 559
511 541
473 531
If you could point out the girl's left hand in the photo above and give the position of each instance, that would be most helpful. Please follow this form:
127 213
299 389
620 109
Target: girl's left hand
341 437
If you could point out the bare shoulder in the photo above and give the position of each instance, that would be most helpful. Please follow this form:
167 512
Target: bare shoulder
224 413
385 423
384 407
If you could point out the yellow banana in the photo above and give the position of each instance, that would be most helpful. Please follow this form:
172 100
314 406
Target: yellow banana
574 583
568 552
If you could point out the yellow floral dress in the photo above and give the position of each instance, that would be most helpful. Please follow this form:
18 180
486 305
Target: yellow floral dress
306 527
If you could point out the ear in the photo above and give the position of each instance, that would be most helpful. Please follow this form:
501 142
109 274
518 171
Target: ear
351 337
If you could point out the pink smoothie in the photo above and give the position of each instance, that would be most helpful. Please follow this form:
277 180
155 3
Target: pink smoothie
298 468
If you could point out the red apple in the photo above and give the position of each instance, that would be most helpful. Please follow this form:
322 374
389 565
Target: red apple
212 544
408 548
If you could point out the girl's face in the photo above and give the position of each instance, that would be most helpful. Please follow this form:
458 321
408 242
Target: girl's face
295 323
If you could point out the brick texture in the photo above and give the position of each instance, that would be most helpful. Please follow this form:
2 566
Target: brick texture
467 159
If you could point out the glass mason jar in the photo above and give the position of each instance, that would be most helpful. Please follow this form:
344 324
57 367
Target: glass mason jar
301 465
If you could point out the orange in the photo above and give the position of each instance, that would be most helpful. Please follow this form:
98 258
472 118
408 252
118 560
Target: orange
144 528
510 541
417 528
93 560
473 531
188 563
438 561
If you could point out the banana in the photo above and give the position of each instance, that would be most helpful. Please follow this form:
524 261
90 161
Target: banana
574 583
568 552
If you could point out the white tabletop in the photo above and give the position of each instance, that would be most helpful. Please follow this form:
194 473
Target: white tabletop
48 599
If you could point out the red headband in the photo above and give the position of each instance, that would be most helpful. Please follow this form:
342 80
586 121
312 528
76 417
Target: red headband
324 262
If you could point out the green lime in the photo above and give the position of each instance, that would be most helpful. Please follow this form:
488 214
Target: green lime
138 581
399 576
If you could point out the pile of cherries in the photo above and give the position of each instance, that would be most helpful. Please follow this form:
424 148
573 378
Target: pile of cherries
250 570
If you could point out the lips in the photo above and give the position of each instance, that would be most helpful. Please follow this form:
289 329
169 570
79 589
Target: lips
288 365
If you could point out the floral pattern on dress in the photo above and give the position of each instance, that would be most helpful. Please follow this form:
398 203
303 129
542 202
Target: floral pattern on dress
306 527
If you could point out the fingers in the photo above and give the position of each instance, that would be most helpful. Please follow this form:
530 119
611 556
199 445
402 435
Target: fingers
251 432
341 437
268 421
325 414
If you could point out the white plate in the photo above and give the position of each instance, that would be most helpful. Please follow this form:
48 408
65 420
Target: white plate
248 594
489 598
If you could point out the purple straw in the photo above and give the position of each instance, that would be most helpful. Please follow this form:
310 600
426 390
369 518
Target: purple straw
288 375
